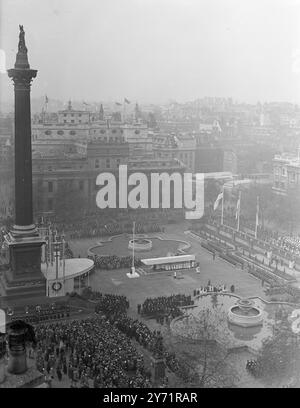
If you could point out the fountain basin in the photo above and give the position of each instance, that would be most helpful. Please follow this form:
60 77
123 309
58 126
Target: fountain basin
245 314
140 244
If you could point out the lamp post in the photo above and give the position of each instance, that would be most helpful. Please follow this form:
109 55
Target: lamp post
56 254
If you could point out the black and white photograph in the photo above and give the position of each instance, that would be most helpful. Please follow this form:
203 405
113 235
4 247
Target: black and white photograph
149 197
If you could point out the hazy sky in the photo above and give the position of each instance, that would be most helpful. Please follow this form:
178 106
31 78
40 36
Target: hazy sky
156 50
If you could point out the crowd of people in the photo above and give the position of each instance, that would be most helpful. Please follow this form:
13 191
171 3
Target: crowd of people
114 262
112 305
115 308
99 226
289 244
90 352
165 306
253 367
209 288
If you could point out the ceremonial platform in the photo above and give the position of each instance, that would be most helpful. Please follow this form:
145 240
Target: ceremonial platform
67 278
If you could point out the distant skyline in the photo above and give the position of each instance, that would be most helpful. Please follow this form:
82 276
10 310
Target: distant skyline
152 51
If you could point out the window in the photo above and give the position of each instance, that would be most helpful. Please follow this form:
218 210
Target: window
97 164
114 131
60 132
137 132
50 186
48 132
81 185
65 114
108 163
72 132
118 162
72 121
102 131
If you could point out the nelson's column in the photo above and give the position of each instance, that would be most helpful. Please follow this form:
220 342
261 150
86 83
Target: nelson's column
23 276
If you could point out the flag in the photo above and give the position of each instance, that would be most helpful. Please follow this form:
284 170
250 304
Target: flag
46 99
126 100
217 202
118 104
238 207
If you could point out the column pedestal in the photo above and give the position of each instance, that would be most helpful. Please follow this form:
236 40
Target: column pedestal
24 277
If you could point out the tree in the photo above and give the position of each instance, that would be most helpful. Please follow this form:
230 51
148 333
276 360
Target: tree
279 356
207 354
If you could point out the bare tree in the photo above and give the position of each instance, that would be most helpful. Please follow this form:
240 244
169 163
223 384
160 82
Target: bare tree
208 349
279 356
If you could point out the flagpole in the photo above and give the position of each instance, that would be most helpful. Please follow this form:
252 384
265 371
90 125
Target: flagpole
133 231
222 214
64 264
238 211
46 103
50 243
257 215
124 110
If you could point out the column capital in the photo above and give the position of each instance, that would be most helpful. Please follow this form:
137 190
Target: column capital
22 78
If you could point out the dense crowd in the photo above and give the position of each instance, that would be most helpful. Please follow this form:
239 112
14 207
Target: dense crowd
90 352
115 309
114 262
289 244
253 367
98 226
112 304
165 305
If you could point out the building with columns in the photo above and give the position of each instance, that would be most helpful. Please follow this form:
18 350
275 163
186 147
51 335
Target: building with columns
286 172
73 116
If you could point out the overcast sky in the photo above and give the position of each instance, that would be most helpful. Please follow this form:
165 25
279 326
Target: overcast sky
156 50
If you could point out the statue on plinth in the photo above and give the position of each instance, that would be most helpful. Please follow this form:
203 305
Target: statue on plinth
21 46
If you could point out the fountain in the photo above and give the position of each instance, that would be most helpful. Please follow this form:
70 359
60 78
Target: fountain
140 244
245 314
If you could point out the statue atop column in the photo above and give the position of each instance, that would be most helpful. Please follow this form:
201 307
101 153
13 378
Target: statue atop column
22 59
21 46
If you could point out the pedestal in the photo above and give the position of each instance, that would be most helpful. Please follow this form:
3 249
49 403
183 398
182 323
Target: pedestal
158 368
132 274
23 277
32 378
